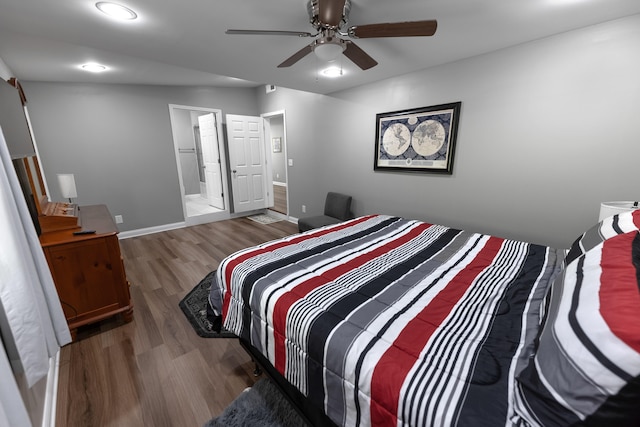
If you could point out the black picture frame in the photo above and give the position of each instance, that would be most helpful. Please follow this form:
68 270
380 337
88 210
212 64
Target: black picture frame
417 140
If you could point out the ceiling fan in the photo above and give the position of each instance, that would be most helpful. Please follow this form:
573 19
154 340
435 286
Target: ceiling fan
330 20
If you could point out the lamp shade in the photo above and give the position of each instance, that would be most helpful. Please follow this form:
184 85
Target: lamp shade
608 209
67 184
328 51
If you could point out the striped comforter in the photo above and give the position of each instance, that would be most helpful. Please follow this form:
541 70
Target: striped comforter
386 321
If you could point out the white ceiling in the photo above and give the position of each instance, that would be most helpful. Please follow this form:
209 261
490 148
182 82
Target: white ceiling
183 42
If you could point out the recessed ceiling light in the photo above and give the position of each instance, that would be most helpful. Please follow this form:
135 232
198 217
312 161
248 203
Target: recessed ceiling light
116 11
332 72
93 67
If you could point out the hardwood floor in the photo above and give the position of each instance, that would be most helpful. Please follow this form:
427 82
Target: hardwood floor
155 371
280 199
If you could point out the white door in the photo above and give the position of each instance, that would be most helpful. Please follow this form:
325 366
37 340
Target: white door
250 181
211 160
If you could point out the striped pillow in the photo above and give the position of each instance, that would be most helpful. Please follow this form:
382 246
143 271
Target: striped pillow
609 227
586 370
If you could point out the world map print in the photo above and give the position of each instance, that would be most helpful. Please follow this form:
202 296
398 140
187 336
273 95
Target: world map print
428 138
414 138
396 139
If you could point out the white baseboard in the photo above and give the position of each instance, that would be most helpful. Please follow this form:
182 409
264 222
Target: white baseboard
194 221
51 396
150 230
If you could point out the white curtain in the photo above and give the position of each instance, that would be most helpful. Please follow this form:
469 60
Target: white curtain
32 323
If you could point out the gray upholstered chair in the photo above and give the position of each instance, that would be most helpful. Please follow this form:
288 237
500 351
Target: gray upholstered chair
337 208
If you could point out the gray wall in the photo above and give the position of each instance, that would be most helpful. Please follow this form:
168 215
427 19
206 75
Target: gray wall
548 130
305 179
117 141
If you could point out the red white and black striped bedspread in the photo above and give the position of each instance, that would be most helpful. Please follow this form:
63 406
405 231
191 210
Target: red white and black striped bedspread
388 321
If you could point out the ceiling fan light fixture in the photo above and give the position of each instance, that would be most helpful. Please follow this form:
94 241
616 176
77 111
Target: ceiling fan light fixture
328 51
116 10
93 67
332 71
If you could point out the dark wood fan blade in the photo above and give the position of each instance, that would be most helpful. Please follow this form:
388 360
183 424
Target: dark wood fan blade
297 56
359 56
396 29
270 33
330 12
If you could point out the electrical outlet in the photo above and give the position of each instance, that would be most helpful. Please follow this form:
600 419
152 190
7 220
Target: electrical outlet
119 219
304 209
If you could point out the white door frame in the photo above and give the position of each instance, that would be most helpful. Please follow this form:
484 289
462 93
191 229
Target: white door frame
201 219
267 116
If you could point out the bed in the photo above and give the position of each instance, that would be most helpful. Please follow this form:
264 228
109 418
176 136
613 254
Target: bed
384 320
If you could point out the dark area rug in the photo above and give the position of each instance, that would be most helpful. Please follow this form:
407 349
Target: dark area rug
262 405
195 305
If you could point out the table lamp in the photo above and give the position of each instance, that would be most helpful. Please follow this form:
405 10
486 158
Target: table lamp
67 185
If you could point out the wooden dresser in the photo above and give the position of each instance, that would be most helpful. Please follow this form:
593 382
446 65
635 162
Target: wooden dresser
88 270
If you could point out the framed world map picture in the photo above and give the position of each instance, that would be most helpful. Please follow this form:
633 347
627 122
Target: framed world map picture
417 140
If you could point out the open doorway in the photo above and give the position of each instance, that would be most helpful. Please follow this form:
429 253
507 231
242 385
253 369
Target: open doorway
278 148
197 137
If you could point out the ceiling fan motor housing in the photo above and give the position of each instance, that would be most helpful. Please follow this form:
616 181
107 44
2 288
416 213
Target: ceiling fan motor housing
314 15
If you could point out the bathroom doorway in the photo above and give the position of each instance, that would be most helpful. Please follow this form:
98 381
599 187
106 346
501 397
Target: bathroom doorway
279 162
195 147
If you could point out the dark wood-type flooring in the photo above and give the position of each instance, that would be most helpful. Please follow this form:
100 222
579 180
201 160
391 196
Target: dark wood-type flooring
280 199
155 371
